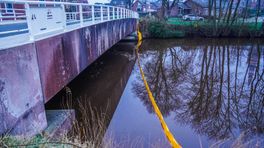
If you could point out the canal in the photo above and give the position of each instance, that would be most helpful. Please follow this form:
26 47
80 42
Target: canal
210 92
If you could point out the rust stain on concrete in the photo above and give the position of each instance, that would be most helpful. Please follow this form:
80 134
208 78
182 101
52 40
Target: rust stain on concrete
20 91
32 74
62 58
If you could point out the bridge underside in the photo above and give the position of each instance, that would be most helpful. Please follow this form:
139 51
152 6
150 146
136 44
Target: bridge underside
31 74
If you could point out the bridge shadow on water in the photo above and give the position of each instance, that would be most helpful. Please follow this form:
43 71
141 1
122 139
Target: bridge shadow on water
95 93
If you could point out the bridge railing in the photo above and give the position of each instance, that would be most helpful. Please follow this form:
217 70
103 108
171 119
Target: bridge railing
26 21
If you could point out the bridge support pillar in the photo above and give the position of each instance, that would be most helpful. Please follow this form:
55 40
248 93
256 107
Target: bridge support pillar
22 110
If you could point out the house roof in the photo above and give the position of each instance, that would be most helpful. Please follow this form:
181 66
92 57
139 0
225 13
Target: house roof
183 6
201 3
155 5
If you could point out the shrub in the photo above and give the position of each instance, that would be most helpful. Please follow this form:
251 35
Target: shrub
160 29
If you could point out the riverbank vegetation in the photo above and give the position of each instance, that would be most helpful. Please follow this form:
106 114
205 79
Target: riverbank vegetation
153 27
87 131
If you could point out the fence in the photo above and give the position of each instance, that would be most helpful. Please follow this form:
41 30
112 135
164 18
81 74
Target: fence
40 19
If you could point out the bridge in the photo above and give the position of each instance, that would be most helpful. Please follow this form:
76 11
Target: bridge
44 46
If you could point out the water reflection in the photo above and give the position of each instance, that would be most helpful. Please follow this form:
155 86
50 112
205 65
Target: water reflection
216 86
96 92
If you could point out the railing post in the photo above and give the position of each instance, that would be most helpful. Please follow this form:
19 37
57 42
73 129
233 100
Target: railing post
93 14
108 13
102 13
124 10
31 36
113 13
117 13
15 15
81 15
124 13
121 14
64 17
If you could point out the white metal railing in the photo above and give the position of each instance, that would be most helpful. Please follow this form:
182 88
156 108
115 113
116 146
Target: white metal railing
43 18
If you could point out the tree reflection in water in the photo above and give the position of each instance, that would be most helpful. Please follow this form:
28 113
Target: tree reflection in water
217 87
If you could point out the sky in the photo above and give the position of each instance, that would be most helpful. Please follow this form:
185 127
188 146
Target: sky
98 1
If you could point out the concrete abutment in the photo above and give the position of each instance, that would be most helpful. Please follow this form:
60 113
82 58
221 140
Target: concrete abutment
31 74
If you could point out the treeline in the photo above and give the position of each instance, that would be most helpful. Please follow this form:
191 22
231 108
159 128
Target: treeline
227 14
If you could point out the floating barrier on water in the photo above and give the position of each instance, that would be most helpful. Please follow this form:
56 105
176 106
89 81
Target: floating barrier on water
166 130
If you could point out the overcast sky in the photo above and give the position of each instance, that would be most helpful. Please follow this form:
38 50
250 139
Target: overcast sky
98 1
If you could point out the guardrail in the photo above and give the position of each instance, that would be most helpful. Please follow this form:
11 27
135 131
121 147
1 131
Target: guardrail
40 19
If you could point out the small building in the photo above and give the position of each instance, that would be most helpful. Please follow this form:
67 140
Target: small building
10 11
145 8
199 8
180 9
195 7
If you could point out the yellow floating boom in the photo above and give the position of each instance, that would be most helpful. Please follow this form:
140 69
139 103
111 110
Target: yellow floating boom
166 130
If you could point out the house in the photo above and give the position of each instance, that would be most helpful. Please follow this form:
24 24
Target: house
198 7
190 7
180 9
10 11
253 7
144 7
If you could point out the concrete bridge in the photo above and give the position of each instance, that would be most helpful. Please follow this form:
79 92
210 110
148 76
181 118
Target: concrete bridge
44 46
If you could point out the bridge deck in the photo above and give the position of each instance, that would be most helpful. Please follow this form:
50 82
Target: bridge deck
31 21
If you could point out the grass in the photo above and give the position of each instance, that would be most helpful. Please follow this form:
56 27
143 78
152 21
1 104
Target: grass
88 131
162 30
37 141
181 22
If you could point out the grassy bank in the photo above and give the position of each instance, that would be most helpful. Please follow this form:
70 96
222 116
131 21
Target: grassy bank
178 28
87 131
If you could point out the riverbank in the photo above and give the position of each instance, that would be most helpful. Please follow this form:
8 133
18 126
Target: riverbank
152 27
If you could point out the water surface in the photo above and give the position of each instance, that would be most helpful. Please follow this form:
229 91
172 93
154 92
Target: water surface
211 92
